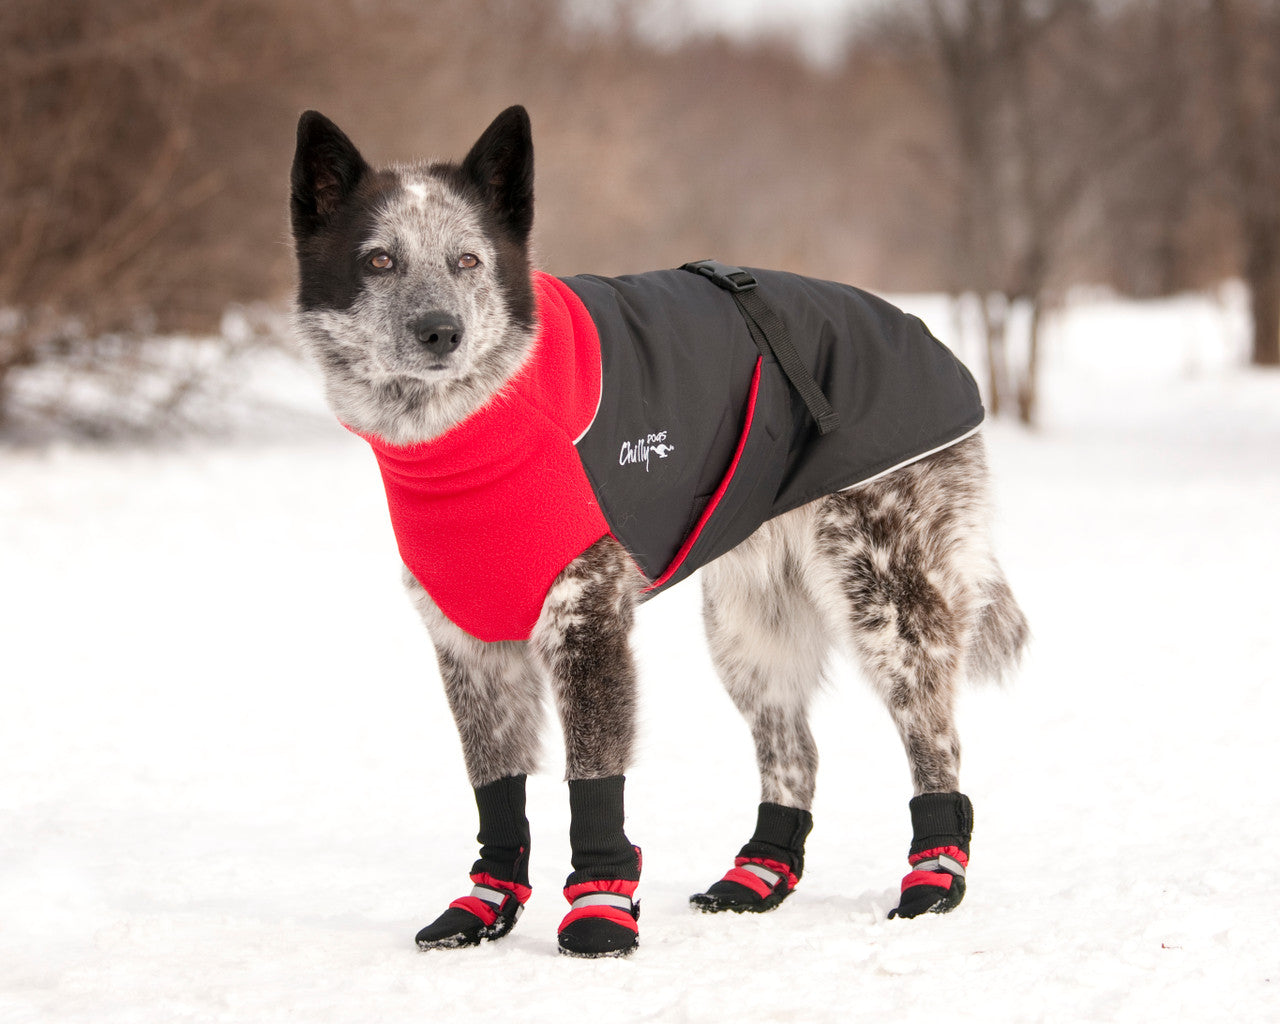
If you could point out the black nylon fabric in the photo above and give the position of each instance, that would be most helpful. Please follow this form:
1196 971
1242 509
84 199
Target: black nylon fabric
678 361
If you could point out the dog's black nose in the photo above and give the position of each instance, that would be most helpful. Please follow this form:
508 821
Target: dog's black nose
439 332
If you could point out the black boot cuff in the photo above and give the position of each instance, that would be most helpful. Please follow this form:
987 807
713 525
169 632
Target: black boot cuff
941 819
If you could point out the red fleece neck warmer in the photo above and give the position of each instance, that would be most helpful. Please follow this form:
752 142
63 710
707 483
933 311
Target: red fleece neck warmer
487 515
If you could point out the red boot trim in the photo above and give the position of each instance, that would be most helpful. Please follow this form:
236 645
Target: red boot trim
753 882
520 892
487 912
621 886
954 852
939 878
615 914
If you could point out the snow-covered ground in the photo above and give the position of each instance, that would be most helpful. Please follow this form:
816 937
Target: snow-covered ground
230 789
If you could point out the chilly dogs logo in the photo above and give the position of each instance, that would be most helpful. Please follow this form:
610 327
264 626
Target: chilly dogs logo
642 448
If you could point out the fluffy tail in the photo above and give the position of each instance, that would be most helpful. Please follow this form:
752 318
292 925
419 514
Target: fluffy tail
1001 633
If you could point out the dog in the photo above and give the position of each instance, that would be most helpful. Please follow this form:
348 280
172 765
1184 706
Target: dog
833 492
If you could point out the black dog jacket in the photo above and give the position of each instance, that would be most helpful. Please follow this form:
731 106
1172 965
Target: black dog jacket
700 436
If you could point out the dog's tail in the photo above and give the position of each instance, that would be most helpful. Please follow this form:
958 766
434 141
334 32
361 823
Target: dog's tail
1000 634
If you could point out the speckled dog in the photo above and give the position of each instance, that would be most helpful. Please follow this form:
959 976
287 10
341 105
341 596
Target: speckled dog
556 450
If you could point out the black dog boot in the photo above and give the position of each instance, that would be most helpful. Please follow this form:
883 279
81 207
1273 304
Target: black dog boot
767 869
941 824
603 914
488 913
500 877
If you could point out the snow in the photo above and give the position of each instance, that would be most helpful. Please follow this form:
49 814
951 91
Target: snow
230 789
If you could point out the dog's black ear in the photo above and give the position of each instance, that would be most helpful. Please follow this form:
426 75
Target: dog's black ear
326 169
501 165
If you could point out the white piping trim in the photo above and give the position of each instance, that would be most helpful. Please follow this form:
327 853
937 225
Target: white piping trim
599 401
914 458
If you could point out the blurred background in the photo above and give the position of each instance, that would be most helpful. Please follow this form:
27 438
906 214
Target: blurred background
1004 152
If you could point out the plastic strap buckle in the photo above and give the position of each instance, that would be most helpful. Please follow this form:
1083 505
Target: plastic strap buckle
941 862
731 279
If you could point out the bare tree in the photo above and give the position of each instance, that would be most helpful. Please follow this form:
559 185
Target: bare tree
96 109
1246 34
1155 218
1015 94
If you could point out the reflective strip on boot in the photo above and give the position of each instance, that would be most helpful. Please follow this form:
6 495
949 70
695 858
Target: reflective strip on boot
483 898
602 899
494 896
770 878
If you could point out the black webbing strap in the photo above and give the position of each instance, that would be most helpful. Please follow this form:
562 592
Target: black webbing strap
770 335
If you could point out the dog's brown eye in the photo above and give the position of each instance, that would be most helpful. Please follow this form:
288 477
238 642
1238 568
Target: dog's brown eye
381 261
468 261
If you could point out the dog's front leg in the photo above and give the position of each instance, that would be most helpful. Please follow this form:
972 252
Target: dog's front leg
495 693
583 639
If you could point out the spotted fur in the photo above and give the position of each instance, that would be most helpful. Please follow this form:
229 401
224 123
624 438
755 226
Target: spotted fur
897 571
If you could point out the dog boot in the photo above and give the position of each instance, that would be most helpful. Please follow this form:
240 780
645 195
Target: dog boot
488 913
603 914
941 824
767 869
500 876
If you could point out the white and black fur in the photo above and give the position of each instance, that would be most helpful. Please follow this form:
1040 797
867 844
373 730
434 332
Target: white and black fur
415 301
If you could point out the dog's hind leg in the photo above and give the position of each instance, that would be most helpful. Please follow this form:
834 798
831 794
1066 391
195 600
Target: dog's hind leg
495 693
583 640
910 563
769 645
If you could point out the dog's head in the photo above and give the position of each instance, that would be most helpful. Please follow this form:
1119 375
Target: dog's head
414 291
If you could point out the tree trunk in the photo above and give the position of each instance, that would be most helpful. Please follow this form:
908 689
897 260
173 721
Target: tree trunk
1248 118
1029 385
1262 273
4 393
995 323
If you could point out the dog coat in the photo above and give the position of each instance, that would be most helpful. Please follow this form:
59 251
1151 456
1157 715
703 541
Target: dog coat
646 411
